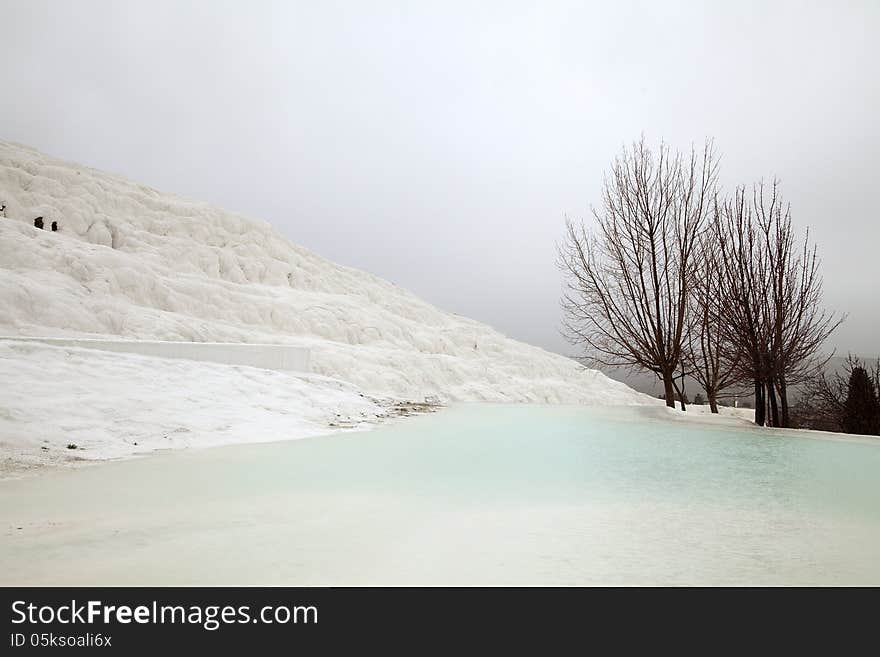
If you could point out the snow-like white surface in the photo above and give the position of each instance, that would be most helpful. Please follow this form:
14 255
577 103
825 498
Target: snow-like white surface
130 261
113 405
703 413
266 356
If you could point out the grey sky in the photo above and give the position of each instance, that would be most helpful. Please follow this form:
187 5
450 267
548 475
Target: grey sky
441 144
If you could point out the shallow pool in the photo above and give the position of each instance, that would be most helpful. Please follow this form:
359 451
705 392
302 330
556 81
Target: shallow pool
475 494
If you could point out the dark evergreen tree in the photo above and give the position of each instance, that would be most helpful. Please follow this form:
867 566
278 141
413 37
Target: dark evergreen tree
861 411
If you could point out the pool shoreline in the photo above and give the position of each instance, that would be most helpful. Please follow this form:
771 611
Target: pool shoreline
13 470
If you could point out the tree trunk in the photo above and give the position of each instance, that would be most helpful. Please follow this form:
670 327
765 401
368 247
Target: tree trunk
713 401
760 407
680 393
669 389
774 408
783 400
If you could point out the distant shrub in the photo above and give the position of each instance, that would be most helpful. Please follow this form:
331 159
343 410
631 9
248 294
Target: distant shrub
861 410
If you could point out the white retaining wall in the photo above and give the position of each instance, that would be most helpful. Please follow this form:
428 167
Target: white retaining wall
266 356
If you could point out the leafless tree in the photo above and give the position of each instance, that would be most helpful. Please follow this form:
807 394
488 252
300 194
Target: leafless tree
627 283
822 402
714 362
772 298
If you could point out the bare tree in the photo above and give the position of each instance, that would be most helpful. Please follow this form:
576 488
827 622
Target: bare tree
822 404
627 283
772 298
714 362
799 323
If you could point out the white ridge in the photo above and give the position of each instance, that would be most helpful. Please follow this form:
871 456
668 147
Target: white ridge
129 261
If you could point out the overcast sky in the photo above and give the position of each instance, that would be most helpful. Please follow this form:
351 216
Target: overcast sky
440 144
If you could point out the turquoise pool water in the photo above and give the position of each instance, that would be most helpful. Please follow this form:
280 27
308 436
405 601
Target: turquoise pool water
475 494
